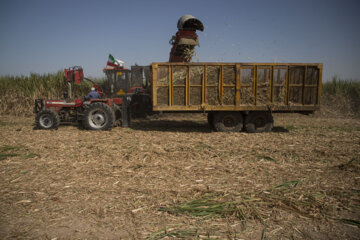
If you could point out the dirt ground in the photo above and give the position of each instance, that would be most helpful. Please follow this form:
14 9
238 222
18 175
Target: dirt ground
301 181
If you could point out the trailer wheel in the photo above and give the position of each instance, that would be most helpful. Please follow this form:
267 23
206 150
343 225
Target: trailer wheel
228 121
257 122
47 119
98 116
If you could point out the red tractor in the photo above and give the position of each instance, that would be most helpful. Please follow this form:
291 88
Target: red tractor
92 114
125 96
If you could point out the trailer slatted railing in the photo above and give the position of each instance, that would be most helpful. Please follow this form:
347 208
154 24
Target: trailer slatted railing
283 87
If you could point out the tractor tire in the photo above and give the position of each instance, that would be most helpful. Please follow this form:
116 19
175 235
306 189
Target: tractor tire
257 122
98 116
228 121
47 119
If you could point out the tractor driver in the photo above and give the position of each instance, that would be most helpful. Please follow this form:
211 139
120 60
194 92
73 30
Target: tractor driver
93 94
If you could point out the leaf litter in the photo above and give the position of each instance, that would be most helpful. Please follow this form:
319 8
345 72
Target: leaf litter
173 178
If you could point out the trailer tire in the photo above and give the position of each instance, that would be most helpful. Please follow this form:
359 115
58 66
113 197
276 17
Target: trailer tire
256 122
228 121
98 116
47 119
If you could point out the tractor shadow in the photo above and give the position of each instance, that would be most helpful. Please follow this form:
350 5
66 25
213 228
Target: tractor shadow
185 126
279 129
171 126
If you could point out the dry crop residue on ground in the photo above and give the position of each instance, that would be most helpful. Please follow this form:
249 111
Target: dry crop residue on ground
173 178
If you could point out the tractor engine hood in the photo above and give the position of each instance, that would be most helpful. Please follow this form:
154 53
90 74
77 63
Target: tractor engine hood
189 22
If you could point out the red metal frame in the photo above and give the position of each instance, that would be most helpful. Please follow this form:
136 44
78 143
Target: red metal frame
179 35
74 74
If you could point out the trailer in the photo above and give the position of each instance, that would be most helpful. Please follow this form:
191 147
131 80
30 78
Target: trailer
236 96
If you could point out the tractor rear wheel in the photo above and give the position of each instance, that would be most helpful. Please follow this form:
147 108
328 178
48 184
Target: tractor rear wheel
257 122
228 121
98 116
47 119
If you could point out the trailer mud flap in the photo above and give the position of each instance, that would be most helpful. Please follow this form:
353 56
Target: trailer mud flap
125 111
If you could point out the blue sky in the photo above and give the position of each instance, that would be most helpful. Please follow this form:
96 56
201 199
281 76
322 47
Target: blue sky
45 36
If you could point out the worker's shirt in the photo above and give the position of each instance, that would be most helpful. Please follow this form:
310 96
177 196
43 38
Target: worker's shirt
93 95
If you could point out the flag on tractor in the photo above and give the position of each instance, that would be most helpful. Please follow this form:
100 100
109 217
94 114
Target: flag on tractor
114 62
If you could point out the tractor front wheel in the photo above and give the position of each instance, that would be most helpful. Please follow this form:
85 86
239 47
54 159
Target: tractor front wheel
47 119
98 116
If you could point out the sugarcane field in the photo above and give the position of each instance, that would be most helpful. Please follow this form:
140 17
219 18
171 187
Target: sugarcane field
261 141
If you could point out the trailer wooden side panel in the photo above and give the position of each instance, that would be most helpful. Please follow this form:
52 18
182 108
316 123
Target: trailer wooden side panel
284 87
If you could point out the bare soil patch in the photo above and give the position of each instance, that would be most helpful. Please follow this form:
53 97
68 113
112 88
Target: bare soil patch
173 178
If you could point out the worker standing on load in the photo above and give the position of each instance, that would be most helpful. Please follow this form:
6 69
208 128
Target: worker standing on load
93 94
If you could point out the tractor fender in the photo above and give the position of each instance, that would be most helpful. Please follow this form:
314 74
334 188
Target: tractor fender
78 102
107 101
